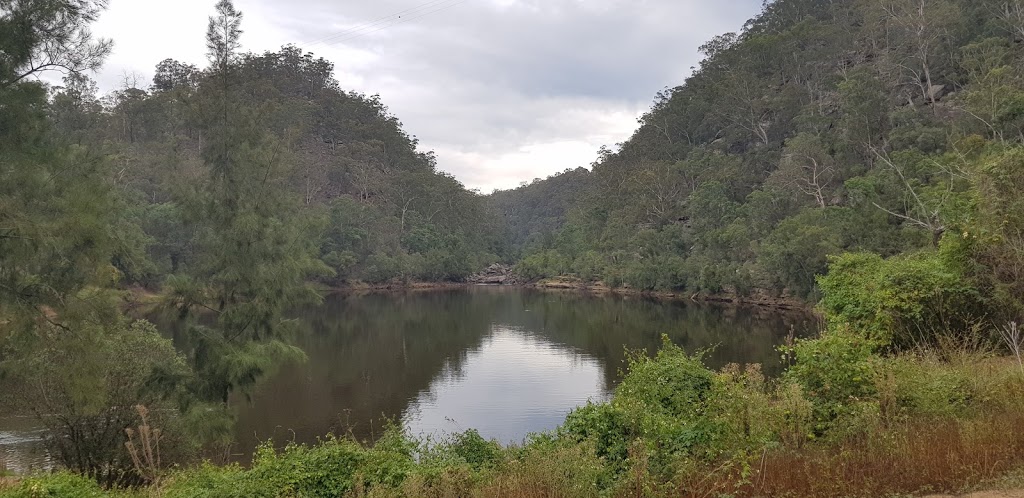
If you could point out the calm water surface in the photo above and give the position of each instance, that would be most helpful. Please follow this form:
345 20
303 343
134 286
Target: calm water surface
506 362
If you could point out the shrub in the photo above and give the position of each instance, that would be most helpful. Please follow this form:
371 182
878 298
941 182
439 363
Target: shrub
548 467
642 275
744 406
926 387
904 301
380 267
663 405
835 371
62 484
476 451
672 383
590 266
84 389
543 264
602 424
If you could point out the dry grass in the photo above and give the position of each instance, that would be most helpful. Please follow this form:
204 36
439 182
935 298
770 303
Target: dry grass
7 483
912 459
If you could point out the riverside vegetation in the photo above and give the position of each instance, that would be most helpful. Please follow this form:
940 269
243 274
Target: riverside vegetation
863 154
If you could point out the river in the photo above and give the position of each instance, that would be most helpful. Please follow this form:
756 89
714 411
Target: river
504 361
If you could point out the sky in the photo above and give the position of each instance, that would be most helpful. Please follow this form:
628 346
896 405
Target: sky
503 91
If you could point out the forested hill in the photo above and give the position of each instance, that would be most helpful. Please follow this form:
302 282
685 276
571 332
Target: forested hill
824 127
532 214
378 207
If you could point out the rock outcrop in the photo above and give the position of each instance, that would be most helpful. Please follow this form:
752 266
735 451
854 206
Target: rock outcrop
496 274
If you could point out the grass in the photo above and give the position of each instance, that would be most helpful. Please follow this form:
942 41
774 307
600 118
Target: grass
916 458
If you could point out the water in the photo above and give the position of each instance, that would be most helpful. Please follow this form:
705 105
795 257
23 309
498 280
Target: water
21 448
504 361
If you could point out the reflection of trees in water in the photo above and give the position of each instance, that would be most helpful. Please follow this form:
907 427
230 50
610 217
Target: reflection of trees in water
605 327
371 355
368 356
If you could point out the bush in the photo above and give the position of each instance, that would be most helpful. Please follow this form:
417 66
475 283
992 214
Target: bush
84 389
903 301
543 264
664 405
590 266
603 425
62 484
925 387
334 467
835 372
546 467
642 275
672 383
380 268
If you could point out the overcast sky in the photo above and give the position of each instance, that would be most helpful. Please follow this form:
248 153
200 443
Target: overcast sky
503 91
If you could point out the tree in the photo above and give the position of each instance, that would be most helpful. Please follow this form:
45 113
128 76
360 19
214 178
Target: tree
171 74
254 253
73 359
46 35
54 202
797 250
999 227
917 32
222 36
808 169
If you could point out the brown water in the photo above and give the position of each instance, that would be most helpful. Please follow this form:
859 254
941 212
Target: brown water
504 361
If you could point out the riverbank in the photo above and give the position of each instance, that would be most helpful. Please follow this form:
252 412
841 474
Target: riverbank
756 298
141 301
927 427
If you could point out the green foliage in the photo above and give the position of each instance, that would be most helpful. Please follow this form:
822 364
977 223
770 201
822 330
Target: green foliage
84 383
836 372
997 232
673 382
796 251
667 403
542 265
478 452
63 485
926 387
605 426
903 301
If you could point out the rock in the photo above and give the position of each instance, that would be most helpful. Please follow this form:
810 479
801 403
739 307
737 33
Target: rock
936 92
496 274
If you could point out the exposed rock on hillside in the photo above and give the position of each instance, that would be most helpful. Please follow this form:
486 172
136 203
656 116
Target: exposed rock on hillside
496 274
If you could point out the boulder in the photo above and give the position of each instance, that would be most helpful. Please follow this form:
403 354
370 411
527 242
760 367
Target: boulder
496 274
936 92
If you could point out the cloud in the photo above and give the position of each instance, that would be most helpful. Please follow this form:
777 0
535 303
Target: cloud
503 91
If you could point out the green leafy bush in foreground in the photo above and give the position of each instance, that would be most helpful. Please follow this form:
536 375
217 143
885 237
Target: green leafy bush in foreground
62 484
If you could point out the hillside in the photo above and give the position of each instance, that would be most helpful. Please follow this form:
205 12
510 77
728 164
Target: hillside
379 205
822 128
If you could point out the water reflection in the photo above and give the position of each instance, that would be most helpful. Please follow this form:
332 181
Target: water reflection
504 361
512 385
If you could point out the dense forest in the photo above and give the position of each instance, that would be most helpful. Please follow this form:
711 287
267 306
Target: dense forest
232 191
864 155
375 206
824 127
